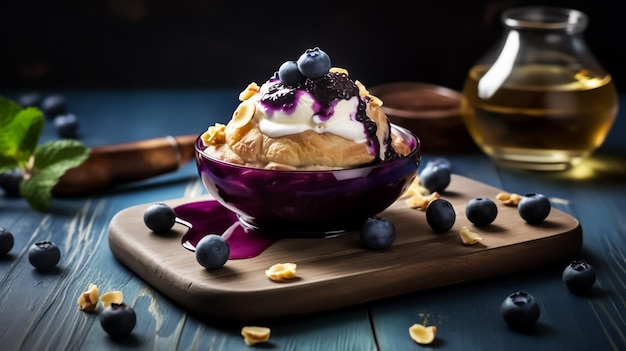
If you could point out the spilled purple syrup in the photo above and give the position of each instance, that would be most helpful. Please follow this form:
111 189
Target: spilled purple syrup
210 217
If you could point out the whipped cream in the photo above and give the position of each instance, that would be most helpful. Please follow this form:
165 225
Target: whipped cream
306 113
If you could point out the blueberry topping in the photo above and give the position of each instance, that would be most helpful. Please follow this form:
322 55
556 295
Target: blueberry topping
289 74
159 217
440 215
579 276
520 310
44 255
326 87
53 105
377 233
435 178
66 125
481 211
370 132
279 96
118 320
314 63
534 208
6 241
212 251
10 182
330 87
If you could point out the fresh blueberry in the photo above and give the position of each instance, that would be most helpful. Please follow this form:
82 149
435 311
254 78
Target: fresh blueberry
289 74
481 211
6 241
66 125
31 99
212 251
377 233
534 208
435 178
159 217
44 255
439 161
118 320
520 310
314 63
579 276
10 182
54 105
440 215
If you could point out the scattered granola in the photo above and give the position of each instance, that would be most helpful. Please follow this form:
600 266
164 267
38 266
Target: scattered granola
110 297
469 237
509 199
88 300
254 335
421 334
281 271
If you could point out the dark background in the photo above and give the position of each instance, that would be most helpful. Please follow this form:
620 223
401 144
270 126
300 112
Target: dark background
227 44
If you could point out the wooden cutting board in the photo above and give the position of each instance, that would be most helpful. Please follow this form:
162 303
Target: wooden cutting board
338 272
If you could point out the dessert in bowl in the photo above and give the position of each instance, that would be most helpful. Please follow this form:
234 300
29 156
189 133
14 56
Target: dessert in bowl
310 151
307 202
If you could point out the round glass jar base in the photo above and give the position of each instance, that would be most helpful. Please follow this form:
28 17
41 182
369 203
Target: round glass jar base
534 159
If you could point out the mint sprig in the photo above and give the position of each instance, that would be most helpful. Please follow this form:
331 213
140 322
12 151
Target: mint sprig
42 165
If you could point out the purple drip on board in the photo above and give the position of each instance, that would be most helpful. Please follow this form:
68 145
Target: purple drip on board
210 217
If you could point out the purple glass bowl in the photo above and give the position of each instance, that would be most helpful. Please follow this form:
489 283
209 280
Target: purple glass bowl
287 203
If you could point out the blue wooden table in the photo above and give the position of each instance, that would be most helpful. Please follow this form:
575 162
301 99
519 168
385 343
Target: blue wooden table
39 311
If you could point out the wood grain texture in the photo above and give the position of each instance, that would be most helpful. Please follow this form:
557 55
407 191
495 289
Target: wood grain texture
338 272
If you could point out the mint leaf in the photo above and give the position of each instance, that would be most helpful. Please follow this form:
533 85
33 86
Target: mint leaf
60 155
21 129
8 110
52 160
37 190
28 124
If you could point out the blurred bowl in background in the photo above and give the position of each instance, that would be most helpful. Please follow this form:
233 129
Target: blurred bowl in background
431 112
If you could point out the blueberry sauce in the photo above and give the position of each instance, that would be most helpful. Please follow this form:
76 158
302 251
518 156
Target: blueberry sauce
327 90
332 86
209 217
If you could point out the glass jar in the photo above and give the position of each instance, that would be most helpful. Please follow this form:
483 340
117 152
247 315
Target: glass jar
539 99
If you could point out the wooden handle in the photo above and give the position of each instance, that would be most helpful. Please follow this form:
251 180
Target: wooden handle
108 166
